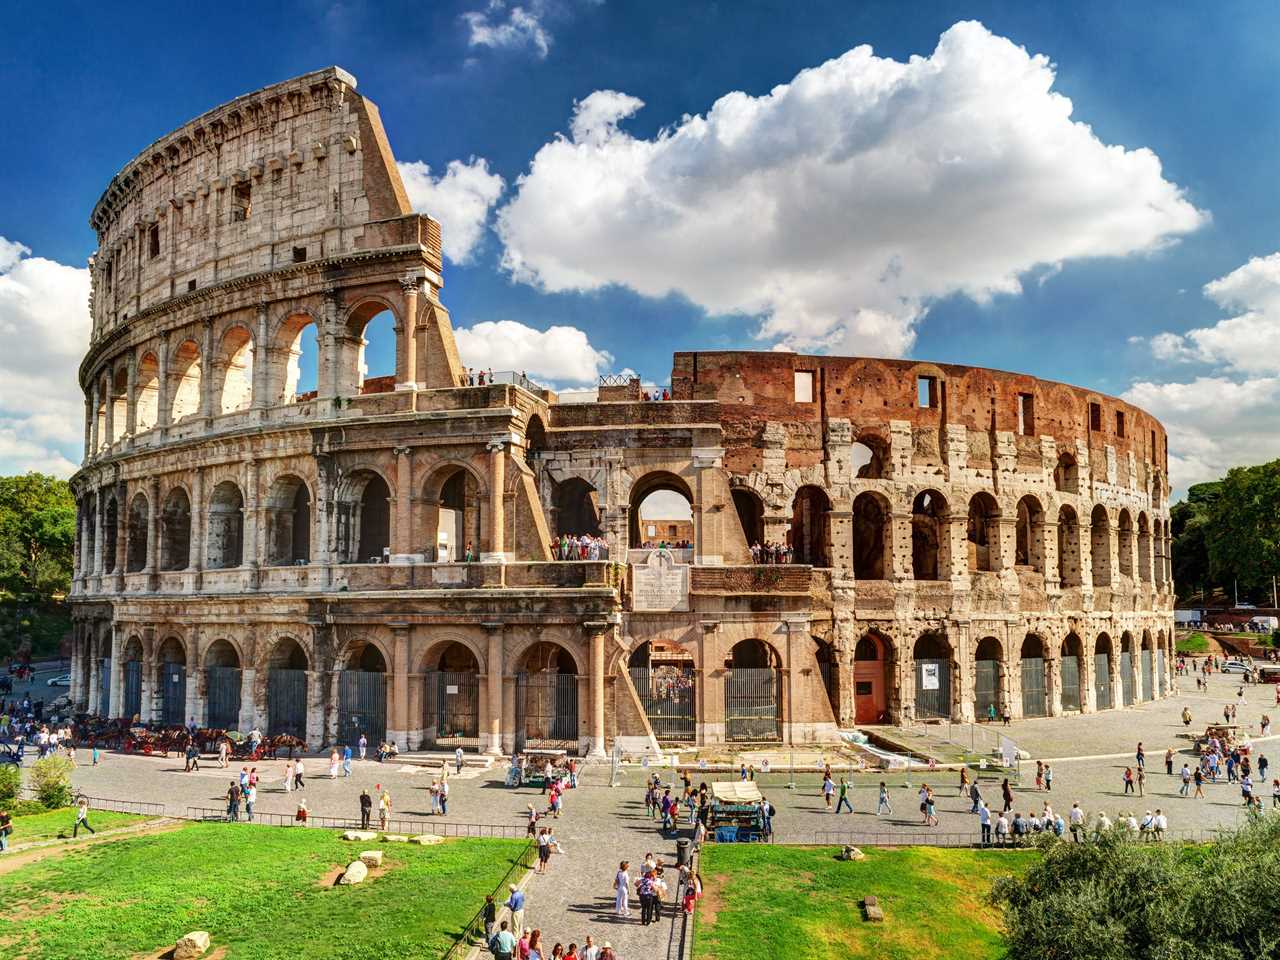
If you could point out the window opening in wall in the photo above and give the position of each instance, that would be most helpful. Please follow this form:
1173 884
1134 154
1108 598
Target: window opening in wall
376 366
241 198
109 280
1027 414
927 392
299 254
191 285
153 241
1119 423
804 386
1095 417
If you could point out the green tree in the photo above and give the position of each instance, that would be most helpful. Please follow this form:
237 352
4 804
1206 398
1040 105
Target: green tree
37 535
1243 532
1189 521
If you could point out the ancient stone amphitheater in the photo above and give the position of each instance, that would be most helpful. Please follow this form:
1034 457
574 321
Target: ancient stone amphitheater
259 549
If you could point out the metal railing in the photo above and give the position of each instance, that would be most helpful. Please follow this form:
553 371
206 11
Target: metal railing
439 828
140 807
858 838
467 938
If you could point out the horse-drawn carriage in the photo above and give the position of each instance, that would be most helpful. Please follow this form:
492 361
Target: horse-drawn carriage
1226 736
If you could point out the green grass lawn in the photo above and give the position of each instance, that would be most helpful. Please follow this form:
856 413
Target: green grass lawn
54 823
1193 643
258 890
802 904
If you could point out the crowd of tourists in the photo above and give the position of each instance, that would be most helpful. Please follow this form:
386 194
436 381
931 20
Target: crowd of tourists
584 547
771 553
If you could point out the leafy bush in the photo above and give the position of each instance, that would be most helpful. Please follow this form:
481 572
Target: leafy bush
51 781
10 781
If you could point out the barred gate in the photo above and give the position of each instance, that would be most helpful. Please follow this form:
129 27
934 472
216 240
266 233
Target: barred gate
132 705
1102 680
933 688
752 700
173 694
362 706
287 702
222 694
1146 675
1069 675
669 699
104 687
1035 695
986 687
451 708
1126 677
547 711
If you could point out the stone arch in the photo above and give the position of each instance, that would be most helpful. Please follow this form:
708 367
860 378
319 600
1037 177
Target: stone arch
990 680
577 506
131 667
223 652
1069 563
810 534
1100 545
454 498
1066 474
1033 665
1125 543
1073 680
284 687
363 504
535 439
287 513
1029 534
932 662
224 540
1144 547
547 656
233 369
928 535
136 547
372 322
170 682
873 660
870 456
294 373
641 490
185 371
110 532
872 528
175 530
749 507
753 654
119 403
982 532
146 403
100 413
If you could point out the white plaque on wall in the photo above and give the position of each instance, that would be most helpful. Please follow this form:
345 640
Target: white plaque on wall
660 584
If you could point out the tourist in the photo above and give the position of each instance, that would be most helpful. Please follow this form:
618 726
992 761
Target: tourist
1198 776
544 851
1076 820
964 780
6 828
366 810
250 798
975 794
193 758
828 789
1039 775
621 886
984 821
1186 780
346 761
224 752
515 903
1048 777
1103 823
384 807
457 760
297 775
302 814
288 777
503 943
589 949
1007 794
535 945
1275 794
1127 777
444 797
489 914
434 794
1262 766
1004 715
364 745
844 796
1002 830
1141 756
333 764
233 801
1142 779
1161 824
1168 761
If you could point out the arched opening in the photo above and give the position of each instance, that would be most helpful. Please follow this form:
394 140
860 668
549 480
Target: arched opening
928 519
1148 666
871 536
1029 539
100 414
119 404
175 531
224 544
983 533
810 534
186 381
665 683
872 673
1035 691
131 680
824 653
1126 669
171 683
661 512
222 678
1144 548
288 520
1126 544
750 511
1102 655
87 562
869 456
235 366
287 689
146 404
451 702
362 697
932 667
453 515
110 534
1100 546
298 344
535 441
373 328
547 698
1069 673
364 518
577 508
136 548
1068 547
988 693
1066 475
753 692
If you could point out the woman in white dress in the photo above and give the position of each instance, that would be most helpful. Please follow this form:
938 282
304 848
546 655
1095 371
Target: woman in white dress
333 764
622 884
288 777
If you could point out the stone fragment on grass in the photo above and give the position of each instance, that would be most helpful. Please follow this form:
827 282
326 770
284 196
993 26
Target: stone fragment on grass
426 839
362 835
394 838
355 873
193 945
371 858
871 905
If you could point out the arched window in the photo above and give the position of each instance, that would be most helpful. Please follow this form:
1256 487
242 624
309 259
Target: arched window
871 537
577 508
661 511
811 527
296 378
983 532
872 679
288 519
186 381
147 393
139 515
110 534
1126 544
1066 475
928 517
750 511
1030 534
1102 666
932 656
119 404
364 518
235 365
1144 548
869 456
1068 547
988 695
225 541
175 531
454 514
374 328
1100 546
1035 691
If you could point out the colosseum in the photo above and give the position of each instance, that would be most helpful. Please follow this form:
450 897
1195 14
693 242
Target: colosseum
344 553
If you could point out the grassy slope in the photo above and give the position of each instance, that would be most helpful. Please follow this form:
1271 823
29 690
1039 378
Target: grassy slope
1193 643
42 826
256 889
803 904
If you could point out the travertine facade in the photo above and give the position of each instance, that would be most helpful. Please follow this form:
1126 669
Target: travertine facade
962 537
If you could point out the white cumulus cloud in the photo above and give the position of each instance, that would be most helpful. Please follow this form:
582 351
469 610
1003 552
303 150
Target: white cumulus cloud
44 326
509 28
459 200
839 205
559 353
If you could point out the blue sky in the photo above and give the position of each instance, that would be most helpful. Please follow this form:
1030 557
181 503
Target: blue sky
90 85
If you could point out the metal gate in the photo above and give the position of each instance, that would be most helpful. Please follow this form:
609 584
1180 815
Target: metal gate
547 711
1035 699
132 705
287 702
1126 677
452 708
752 703
986 688
222 693
668 697
362 706
1146 675
933 688
104 687
1102 680
1162 683
173 694
1069 679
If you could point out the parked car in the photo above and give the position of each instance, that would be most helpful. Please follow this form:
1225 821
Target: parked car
1235 666
62 680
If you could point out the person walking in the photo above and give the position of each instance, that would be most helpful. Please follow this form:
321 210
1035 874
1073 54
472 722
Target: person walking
1007 792
1039 775
224 752
515 903
6 828
828 790
1186 781
490 917
457 760
622 890
1127 777
333 764
1142 780
544 851
1168 761
346 761
1048 777
1076 820
288 777
250 798
297 775
1141 755
233 801
844 796
366 810
882 805
364 745
984 821
82 818
503 943
1198 777
384 807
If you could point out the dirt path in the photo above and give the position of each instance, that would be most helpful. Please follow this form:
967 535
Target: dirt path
20 855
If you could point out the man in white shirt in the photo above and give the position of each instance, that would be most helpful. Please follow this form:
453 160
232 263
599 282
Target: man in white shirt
1077 821
589 950
1103 824
984 820
1148 825
1002 830
1161 824
457 760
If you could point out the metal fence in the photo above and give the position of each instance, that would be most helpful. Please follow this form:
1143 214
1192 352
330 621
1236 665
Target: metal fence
287 702
439 828
222 686
1035 696
452 708
141 807
362 706
668 697
132 705
1070 674
1102 681
172 693
468 937
546 711
858 838
752 697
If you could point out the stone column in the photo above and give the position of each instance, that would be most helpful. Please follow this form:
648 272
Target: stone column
402 528
407 336
327 363
798 631
195 558
398 708
99 523
163 388
1053 682
95 677
962 650
248 718
131 399
1049 551
94 439
122 531
252 522
261 362
497 511
206 372
953 550
494 667
321 548
110 418
89 420
117 671
153 524
708 545
898 562
596 631
194 708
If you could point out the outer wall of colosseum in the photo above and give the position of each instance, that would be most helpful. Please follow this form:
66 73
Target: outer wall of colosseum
254 553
